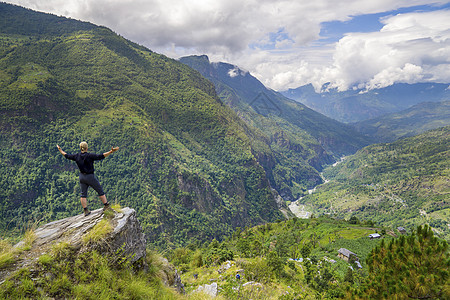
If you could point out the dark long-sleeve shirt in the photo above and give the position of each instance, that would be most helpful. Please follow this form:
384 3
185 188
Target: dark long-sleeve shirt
85 161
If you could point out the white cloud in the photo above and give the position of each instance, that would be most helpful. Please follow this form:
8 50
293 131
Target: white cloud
236 71
412 47
240 32
409 48
409 74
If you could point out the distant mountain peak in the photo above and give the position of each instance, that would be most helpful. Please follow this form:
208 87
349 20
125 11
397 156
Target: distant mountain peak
202 57
356 104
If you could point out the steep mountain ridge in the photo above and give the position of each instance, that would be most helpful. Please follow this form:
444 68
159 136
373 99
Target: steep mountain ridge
301 140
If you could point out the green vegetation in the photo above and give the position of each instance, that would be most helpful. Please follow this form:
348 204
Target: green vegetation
268 255
415 120
10 254
413 267
62 274
293 259
298 141
186 163
7 254
404 183
98 232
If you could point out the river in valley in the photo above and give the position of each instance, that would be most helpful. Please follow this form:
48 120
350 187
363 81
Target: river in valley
297 208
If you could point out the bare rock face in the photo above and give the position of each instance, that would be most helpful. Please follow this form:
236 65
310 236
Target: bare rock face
123 239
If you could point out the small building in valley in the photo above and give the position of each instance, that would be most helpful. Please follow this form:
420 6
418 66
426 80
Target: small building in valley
347 255
374 236
401 230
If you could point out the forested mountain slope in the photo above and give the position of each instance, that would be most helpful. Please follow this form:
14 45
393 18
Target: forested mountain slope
415 120
302 140
187 163
357 105
404 183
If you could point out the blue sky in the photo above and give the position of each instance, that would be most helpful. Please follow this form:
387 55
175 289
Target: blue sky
333 31
287 43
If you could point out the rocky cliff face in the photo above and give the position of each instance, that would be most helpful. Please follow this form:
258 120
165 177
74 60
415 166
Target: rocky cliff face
119 236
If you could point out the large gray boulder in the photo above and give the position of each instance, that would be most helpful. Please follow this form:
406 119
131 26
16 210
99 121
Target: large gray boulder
209 289
126 238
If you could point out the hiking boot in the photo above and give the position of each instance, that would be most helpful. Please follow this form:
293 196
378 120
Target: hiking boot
87 212
106 207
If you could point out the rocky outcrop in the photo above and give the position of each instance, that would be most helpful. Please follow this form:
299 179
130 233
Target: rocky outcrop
122 239
282 206
209 289
126 237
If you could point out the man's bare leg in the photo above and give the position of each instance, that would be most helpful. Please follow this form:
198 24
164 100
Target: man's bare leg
104 201
84 204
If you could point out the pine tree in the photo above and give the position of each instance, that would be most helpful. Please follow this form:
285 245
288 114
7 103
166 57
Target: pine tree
414 267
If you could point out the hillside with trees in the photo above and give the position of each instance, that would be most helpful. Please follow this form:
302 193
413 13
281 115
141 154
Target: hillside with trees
300 259
292 259
414 267
404 183
415 120
187 163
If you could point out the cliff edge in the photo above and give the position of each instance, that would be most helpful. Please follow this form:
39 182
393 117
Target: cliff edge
116 234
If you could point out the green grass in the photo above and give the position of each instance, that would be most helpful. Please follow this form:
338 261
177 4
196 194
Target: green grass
64 273
99 232
116 207
7 254
45 259
28 239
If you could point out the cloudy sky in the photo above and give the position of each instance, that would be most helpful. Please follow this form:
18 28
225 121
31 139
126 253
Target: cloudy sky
287 43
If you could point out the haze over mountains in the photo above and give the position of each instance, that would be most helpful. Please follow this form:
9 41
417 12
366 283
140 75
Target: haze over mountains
359 105
414 120
383 115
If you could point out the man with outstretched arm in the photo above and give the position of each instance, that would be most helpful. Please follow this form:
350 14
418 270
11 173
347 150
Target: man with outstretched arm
85 162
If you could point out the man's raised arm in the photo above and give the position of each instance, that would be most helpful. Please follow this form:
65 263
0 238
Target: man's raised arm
61 150
106 154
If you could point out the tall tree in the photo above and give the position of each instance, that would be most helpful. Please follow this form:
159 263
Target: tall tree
412 267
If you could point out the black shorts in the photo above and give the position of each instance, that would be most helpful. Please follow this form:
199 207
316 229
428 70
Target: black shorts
89 180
